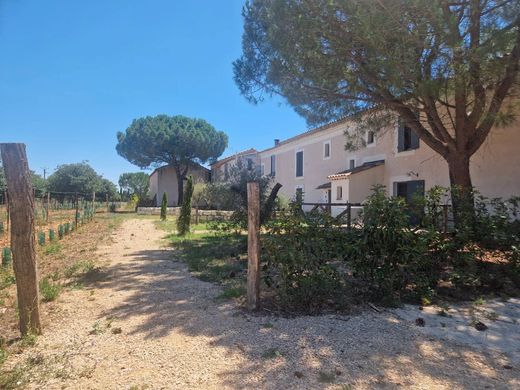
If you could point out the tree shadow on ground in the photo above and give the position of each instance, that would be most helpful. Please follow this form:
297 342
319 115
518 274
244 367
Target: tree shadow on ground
373 350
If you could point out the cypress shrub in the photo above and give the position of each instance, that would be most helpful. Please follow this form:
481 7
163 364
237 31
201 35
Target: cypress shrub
52 235
7 257
183 223
164 206
41 238
61 232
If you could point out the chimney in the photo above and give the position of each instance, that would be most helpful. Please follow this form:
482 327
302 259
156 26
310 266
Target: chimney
276 141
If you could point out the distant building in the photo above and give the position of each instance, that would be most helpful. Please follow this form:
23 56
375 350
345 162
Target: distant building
221 169
164 179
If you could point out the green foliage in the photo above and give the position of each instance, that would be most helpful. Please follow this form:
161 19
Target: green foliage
388 256
184 220
112 207
2 227
49 290
135 183
61 231
66 228
7 257
164 207
81 178
178 141
41 238
303 254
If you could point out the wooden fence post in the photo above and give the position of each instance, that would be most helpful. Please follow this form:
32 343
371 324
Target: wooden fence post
93 203
77 211
7 210
253 245
23 245
48 206
108 207
349 215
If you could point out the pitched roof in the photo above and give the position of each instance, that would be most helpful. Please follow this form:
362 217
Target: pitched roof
193 165
353 171
233 156
324 186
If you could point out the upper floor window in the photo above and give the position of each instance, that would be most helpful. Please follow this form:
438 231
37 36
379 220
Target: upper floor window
226 171
326 150
370 137
249 164
299 163
273 165
406 138
352 164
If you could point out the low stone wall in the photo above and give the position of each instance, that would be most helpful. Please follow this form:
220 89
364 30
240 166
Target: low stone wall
203 215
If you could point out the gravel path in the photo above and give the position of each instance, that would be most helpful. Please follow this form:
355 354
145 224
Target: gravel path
147 324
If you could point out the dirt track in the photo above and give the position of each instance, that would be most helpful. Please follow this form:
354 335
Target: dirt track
175 335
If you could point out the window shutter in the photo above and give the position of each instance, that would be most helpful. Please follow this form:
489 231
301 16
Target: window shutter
400 137
415 140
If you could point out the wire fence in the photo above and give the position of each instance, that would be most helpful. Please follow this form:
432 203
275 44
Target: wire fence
56 215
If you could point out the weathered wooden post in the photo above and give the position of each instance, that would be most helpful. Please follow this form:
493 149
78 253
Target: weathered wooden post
349 215
93 203
77 211
108 207
23 246
253 245
48 206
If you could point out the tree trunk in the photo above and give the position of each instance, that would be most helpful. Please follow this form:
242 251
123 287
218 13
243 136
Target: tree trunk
23 246
461 190
180 185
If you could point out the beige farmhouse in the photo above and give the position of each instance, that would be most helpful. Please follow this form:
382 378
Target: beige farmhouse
164 180
317 164
221 169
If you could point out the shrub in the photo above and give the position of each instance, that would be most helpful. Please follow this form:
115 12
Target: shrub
1 227
390 258
52 235
7 257
303 260
67 228
61 231
112 208
49 290
164 206
183 223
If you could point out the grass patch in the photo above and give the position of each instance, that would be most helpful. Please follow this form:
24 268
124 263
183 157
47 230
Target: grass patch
231 292
53 248
79 268
49 290
6 277
12 379
326 377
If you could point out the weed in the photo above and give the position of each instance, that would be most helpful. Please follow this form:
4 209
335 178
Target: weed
272 353
479 301
267 325
52 249
491 315
49 290
96 329
79 267
231 292
326 377
12 379
29 340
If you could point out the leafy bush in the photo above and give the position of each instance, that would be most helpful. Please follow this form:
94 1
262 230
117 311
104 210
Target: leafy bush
388 256
112 207
164 206
49 290
52 235
303 260
183 223
61 231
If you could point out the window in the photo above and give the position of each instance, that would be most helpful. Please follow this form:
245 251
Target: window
352 164
226 171
299 163
406 139
249 164
339 192
326 150
370 137
273 165
409 189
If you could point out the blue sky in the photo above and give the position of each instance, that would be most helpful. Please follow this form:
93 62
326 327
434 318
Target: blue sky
73 73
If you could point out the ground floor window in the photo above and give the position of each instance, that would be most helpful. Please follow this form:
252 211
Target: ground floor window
339 192
409 189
